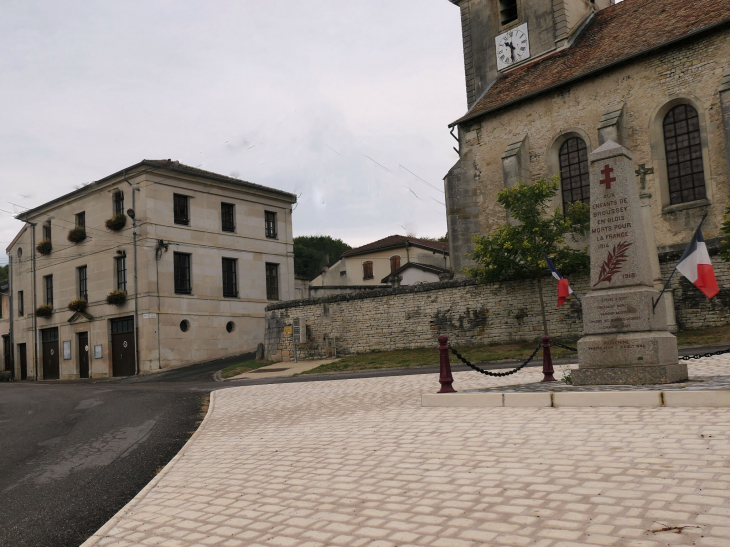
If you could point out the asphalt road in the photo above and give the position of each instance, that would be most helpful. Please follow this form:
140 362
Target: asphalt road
73 453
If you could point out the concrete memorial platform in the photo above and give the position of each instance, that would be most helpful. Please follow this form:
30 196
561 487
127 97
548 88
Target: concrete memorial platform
626 340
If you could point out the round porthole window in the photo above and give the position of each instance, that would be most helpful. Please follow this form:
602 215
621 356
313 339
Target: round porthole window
184 325
20 252
230 326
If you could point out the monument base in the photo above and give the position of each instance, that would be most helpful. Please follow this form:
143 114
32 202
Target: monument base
633 358
630 376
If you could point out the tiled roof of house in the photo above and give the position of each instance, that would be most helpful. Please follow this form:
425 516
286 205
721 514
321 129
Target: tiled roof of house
418 266
391 242
613 35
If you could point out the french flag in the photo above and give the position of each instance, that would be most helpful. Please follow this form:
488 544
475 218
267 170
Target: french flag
564 289
695 265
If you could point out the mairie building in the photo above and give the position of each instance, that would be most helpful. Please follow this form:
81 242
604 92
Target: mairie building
153 267
549 81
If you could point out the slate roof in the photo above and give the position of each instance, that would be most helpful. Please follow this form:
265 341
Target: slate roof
163 164
614 35
395 241
418 266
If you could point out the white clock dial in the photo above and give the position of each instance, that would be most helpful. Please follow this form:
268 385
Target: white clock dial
512 46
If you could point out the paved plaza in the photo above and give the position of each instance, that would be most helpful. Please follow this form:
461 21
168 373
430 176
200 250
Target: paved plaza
361 463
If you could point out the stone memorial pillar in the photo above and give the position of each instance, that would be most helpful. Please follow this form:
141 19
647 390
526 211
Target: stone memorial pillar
625 341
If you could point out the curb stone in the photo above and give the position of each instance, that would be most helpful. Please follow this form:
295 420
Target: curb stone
112 522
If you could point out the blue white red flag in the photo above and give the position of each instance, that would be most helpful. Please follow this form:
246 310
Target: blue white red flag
696 266
564 289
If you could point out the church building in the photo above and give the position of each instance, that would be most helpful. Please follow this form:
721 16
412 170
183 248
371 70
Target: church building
549 81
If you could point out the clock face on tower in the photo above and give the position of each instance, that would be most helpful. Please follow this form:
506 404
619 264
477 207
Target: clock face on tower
512 46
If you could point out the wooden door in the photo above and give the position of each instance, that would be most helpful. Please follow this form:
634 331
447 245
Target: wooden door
51 360
23 362
7 353
123 347
83 354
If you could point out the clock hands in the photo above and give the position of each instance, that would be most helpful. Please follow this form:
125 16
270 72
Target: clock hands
512 50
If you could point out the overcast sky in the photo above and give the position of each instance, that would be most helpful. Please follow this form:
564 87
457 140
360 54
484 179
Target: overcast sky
344 102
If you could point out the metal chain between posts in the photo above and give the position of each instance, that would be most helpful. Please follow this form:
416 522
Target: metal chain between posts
701 355
497 374
564 347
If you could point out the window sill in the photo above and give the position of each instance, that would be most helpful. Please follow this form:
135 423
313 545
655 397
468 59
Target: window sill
669 209
233 231
181 223
188 293
272 237
230 296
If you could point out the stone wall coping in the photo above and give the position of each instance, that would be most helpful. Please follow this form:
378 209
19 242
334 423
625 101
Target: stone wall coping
380 293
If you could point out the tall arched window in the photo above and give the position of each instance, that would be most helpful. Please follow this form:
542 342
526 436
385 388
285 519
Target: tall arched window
683 147
574 177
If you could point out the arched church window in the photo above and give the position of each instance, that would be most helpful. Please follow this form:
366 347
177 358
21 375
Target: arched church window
574 177
683 147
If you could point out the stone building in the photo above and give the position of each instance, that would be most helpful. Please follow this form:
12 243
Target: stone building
548 81
394 259
186 281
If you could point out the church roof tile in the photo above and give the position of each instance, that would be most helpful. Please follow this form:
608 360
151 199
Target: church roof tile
614 35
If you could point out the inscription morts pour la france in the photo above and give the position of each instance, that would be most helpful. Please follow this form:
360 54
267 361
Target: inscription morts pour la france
626 340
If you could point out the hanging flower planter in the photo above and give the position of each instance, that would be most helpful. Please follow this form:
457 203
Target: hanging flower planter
78 305
77 235
44 247
116 298
44 311
116 223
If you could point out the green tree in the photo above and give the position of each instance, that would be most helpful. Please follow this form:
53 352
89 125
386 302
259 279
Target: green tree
312 253
517 249
4 273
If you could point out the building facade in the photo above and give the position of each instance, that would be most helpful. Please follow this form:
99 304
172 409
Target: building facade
371 265
97 294
549 81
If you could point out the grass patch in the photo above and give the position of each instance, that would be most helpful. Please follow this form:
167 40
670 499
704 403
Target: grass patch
713 336
404 358
239 368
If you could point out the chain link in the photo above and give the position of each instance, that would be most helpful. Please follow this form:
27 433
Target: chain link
701 355
563 346
496 374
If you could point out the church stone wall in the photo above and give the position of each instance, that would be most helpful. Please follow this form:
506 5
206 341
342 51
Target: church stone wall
691 72
470 314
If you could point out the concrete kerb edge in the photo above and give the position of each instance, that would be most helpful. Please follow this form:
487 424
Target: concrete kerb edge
644 398
112 522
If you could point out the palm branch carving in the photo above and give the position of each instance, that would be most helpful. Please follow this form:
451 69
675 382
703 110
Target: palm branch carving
614 262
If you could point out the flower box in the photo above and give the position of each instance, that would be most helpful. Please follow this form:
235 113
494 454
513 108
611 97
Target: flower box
44 311
77 235
116 298
116 223
44 247
78 305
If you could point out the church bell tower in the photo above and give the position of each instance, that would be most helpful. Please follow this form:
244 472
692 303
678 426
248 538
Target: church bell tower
499 35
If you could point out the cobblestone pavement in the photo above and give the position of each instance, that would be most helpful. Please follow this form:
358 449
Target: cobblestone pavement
361 463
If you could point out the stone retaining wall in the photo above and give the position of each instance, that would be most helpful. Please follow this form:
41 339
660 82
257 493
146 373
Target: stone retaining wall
470 314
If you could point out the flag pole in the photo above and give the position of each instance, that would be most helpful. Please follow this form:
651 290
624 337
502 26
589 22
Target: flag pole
654 304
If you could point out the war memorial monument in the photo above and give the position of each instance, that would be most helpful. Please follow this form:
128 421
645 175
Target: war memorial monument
626 339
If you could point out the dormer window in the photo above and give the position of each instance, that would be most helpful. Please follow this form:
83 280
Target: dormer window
507 11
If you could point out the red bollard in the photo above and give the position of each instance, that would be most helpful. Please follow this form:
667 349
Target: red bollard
547 361
445 379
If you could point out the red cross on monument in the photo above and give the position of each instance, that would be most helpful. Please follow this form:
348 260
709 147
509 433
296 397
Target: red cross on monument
606 171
